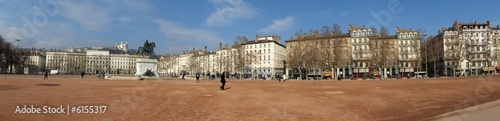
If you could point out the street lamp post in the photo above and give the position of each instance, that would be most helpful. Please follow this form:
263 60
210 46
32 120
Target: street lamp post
425 35
18 40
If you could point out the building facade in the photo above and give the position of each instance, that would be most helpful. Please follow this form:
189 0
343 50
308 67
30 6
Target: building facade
267 57
111 60
409 58
464 49
361 53
66 62
263 57
36 64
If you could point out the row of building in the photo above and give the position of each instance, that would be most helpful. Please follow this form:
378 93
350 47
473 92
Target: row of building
114 60
360 53
263 57
462 49
471 48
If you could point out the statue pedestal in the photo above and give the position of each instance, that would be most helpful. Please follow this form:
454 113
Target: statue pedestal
143 64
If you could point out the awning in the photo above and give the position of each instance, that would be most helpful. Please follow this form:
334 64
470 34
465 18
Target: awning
327 74
488 68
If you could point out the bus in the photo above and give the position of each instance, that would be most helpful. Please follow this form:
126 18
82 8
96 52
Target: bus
421 74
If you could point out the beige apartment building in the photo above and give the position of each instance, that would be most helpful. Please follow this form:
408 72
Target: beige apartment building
263 57
464 49
315 55
361 53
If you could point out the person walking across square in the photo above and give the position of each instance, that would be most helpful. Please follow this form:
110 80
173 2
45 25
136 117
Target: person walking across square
46 75
223 81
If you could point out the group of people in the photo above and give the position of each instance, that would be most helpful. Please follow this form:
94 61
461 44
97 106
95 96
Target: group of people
101 75
282 77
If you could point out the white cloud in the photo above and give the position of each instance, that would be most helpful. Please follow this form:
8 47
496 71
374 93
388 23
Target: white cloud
279 25
229 10
63 30
88 15
345 13
64 26
50 37
124 19
186 36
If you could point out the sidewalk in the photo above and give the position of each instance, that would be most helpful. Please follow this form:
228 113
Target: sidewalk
484 112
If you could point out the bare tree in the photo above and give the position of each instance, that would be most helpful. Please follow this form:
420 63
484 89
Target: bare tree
383 54
326 30
383 31
337 29
296 52
241 58
4 46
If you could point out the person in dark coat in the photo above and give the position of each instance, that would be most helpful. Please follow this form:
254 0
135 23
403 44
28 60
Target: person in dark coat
46 75
83 74
198 77
223 81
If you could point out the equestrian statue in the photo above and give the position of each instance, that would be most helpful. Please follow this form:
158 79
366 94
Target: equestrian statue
147 49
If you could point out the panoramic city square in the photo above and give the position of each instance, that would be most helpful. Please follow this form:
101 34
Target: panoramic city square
255 60
174 99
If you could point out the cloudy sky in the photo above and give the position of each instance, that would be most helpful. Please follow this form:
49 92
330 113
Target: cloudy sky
178 25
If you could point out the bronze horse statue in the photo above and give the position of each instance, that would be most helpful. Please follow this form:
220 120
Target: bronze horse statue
148 48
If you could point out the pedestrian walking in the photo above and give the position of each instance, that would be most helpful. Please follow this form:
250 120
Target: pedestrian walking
198 77
46 75
284 77
83 74
223 81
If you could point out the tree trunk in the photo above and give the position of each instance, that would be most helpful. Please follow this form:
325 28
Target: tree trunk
11 68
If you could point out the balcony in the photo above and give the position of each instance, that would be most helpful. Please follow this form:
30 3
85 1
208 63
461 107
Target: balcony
359 43
360 59
452 43
478 52
407 59
478 59
408 45
452 58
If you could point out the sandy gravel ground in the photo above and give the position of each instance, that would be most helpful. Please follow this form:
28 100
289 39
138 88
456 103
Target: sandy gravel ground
413 99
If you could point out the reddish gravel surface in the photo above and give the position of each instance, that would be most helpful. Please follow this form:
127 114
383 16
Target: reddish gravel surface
403 99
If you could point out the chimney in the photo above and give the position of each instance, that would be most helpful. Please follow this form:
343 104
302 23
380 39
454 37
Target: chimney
475 22
456 23
498 26
488 22
205 49
220 46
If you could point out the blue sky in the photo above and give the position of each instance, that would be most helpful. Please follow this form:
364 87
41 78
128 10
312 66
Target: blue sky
178 25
